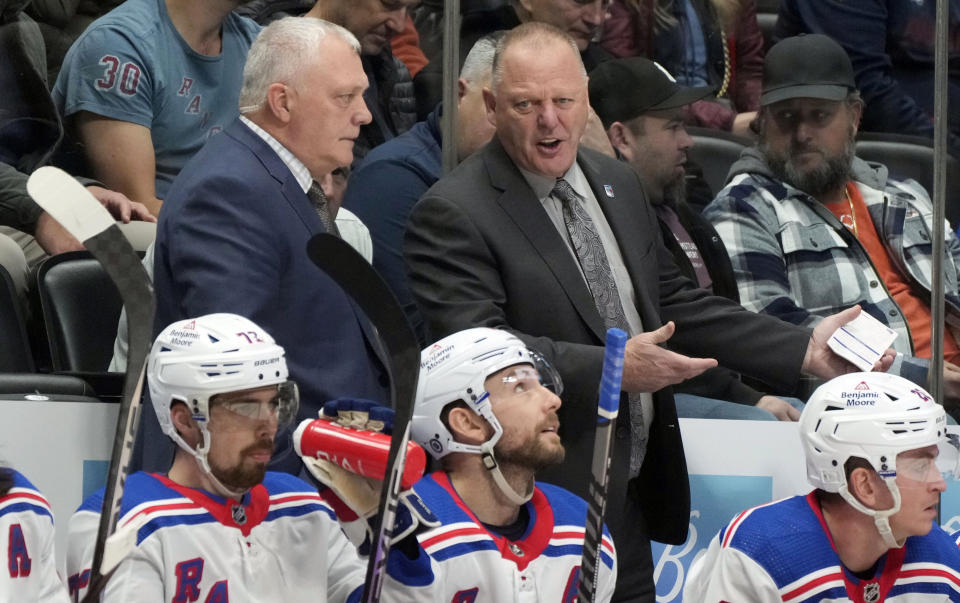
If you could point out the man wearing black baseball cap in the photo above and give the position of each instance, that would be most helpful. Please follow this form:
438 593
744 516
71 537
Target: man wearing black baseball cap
812 230
642 108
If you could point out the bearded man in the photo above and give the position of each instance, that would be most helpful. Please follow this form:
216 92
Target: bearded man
812 230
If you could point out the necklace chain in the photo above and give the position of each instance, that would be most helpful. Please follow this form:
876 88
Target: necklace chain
853 214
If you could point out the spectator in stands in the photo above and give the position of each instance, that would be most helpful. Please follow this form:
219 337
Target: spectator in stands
868 530
147 84
392 178
812 230
29 133
242 210
557 242
580 19
890 43
61 23
703 43
643 108
406 47
390 98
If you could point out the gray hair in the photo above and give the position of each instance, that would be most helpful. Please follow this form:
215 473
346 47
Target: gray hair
537 34
479 61
281 52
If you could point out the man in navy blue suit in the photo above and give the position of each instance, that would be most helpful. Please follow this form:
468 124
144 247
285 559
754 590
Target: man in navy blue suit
236 222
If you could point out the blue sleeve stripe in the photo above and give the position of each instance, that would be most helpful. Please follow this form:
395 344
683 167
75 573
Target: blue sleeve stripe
607 559
26 506
463 548
301 510
169 521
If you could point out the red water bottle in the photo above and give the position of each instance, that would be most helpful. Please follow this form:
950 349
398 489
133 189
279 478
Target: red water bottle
361 452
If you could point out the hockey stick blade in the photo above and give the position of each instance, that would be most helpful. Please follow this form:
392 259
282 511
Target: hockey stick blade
362 283
608 407
79 212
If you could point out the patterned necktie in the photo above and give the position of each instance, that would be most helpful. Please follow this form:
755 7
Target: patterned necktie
319 200
596 269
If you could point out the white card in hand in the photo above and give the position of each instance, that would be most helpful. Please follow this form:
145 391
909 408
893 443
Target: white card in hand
862 341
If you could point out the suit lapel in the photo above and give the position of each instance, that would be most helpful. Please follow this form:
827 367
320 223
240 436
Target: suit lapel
519 202
278 170
301 205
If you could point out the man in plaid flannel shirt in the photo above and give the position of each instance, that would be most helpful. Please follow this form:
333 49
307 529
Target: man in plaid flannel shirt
812 230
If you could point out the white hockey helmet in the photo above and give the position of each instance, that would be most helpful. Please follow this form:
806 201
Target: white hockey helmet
455 369
873 416
193 360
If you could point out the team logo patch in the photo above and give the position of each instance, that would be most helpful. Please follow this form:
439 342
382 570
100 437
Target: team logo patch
239 514
871 592
609 190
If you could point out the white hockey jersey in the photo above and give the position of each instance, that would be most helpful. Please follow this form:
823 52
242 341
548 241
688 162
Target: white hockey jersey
462 562
26 526
280 543
782 551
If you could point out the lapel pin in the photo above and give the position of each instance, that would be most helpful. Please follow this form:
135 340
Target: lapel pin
609 190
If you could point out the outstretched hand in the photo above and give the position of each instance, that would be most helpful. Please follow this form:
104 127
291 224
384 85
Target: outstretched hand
648 367
820 361
120 207
780 408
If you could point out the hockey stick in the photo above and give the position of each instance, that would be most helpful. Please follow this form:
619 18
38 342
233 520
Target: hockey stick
608 406
358 278
79 212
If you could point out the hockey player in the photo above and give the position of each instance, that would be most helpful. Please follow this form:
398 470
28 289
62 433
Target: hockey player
875 444
26 522
486 408
218 527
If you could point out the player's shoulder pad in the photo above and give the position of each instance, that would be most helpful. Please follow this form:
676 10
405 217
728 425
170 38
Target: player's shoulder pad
139 488
277 482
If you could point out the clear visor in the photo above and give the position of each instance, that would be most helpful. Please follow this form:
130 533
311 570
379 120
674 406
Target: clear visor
945 466
282 407
541 371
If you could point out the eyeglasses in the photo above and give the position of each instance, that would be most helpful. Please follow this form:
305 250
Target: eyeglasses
282 407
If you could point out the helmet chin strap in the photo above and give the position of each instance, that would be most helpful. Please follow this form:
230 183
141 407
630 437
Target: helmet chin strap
490 462
880 518
200 455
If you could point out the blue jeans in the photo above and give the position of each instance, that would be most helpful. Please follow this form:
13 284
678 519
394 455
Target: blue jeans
690 406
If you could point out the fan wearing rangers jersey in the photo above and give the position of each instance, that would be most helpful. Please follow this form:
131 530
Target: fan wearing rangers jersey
145 86
218 527
486 408
876 450
26 527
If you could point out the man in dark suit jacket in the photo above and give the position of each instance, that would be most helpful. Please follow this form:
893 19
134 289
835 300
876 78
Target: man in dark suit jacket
488 246
236 223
